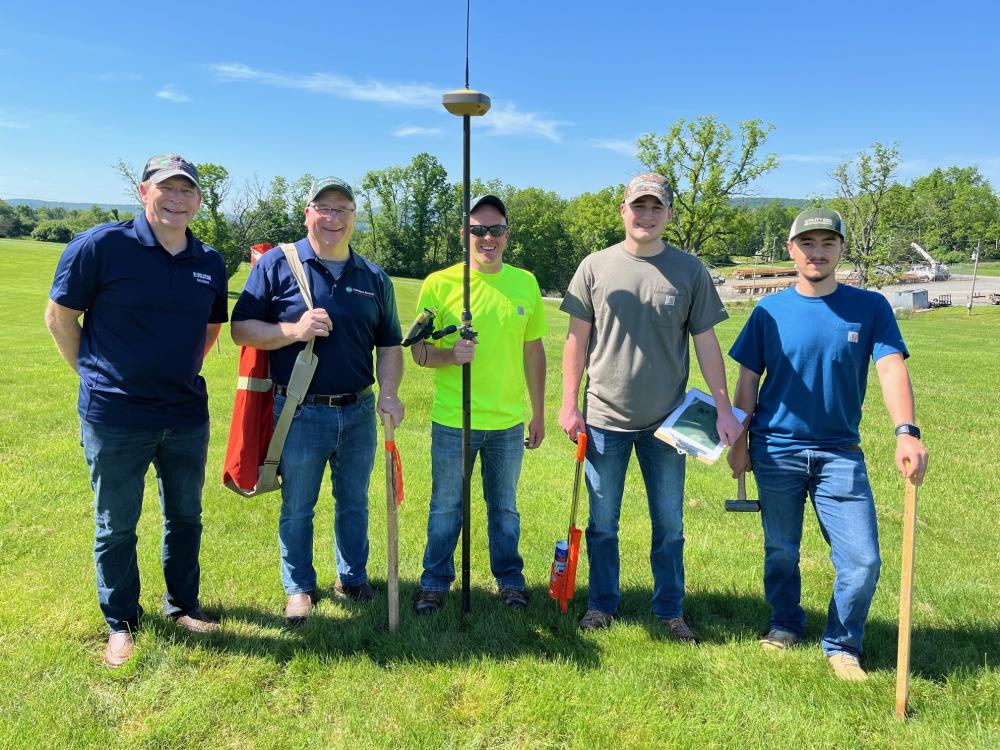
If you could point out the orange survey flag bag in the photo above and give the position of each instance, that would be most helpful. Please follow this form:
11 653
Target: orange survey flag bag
255 441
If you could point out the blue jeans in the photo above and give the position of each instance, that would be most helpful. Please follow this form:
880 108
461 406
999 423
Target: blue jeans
501 452
608 455
837 484
343 437
118 458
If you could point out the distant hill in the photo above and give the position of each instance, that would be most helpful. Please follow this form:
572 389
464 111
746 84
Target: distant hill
748 202
35 203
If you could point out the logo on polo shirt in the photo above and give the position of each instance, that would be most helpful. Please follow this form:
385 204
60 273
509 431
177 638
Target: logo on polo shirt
202 278
362 292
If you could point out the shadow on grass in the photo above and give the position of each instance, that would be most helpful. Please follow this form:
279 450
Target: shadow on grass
492 631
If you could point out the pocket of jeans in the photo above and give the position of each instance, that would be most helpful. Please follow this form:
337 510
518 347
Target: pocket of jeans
279 404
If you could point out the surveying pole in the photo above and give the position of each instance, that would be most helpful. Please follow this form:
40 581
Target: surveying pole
466 103
975 269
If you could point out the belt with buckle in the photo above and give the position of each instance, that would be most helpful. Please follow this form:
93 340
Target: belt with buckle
319 399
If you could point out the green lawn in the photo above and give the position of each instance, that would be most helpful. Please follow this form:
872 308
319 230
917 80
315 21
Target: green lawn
498 679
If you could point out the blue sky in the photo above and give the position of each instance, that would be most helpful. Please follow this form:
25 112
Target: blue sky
341 88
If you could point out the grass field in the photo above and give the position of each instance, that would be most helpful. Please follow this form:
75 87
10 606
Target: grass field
499 679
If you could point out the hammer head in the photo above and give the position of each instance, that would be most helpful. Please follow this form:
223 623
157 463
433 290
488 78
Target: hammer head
743 506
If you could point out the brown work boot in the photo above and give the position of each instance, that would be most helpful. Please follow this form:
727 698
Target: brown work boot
514 598
298 608
119 649
594 619
360 593
678 630
847 667
196 621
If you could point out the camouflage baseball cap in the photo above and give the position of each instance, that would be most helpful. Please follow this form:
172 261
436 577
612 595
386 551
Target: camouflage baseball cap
329 183
817 218
164 166
649 183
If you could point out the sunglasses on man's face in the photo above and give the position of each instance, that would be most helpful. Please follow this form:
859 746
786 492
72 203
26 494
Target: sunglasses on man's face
495 230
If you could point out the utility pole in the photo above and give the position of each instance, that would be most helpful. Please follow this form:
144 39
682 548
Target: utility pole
975 268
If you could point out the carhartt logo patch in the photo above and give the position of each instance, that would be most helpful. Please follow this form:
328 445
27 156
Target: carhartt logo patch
520 309
669 300
852 336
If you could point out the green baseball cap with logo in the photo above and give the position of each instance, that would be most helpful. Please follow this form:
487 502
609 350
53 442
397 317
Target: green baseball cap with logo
164 166
329 183
817 218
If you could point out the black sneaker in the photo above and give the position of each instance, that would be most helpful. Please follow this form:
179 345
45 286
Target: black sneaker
428 602
360 593
514 598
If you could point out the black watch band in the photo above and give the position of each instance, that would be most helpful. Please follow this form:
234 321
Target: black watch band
908 429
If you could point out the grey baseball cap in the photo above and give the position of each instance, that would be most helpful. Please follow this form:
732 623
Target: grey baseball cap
329 183
164 166
817 218
649 183
488 200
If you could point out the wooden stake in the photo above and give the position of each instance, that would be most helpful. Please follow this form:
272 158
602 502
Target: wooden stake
906 600
392 526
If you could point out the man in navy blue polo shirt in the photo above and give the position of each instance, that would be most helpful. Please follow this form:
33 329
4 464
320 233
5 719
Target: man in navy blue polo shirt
153 299
354 313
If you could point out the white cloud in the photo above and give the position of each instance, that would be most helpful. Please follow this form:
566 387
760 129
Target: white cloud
499 121
344 87
811 158
170 94
406 131
509 121
623 147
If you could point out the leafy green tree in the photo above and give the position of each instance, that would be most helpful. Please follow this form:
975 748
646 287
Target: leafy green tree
539 241
707 166
51 230
955 209
862 186
8 220
593 222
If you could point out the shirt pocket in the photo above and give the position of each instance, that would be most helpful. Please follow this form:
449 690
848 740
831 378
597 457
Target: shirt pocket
668 307
849 342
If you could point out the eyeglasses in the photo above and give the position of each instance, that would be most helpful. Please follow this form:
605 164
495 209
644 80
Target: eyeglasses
328 212
495 230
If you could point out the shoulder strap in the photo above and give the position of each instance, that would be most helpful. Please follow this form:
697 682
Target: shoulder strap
298 272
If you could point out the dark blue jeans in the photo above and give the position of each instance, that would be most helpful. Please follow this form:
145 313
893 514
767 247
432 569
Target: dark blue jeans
608 455
119 458
837 484
501 452
344 438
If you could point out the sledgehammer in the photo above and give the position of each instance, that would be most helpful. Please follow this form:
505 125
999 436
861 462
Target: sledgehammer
741 504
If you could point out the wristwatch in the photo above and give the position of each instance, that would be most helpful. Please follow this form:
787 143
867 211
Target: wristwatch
908 429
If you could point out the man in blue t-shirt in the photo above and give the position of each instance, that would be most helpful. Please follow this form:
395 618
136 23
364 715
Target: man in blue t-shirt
153 299
354 312
814 342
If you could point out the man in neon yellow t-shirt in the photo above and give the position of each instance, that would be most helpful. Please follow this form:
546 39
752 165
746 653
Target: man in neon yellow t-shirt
507 355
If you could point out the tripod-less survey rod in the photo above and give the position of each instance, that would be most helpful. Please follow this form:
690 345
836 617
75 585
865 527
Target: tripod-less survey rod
466 103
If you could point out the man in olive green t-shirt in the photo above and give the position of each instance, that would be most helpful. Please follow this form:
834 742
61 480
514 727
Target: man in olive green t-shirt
633 307
507 354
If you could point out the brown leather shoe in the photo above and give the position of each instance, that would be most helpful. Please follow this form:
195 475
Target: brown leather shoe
298 608
196 621
361 593
119 649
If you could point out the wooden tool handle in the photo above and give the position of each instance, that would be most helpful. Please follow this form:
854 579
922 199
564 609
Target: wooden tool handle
741 486
906 599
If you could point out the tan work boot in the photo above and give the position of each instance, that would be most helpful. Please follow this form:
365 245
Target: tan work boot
778 640
119 649
298 608
847 667
196 621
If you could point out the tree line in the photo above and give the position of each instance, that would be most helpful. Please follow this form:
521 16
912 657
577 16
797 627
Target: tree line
408 217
